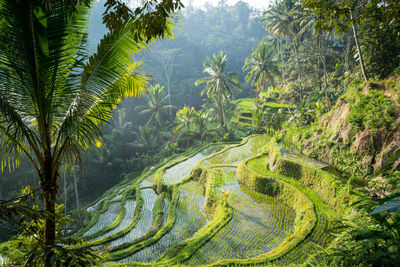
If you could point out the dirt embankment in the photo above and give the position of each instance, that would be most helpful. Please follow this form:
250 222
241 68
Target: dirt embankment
376 149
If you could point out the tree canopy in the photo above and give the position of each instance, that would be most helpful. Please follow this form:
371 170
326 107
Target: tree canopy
54 96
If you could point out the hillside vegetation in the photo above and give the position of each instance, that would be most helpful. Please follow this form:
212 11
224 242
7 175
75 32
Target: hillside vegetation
252 138
203 213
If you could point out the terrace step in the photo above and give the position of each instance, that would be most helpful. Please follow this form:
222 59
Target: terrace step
251 227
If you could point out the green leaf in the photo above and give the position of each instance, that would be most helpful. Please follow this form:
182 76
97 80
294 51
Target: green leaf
391 206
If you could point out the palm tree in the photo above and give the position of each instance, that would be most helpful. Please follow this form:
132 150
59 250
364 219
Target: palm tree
218 83
53 98
340 16
200 123
156 106
185 116
306 21
282 20
263 67
216 112
145 138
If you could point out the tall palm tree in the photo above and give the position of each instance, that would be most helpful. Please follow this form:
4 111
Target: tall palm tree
341 15
263 67
53 97
282 20
218 82
306 20
156 106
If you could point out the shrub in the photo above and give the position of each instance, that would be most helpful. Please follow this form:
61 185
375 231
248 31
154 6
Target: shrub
373 110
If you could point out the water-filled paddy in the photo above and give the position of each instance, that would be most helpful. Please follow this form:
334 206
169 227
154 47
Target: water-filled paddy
178 172
256 223
254 229
143 225
234 153
129 206
105 219
190 218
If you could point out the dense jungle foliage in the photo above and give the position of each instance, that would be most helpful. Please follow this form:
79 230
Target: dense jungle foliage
226 111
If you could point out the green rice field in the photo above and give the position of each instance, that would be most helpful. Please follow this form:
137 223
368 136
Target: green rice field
208 212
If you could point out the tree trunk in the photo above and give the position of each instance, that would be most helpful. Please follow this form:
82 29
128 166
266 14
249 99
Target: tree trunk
49 186
347 51
224 129
65 191
318 71
188 130
322 56
281 59
158 130
274 86
169 96
78 205
298 71
50 225
323 60
65 195
360 58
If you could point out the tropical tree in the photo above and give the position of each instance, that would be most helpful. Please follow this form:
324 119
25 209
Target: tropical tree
217 112
341 15
282 20
157 106
53 97
218 83
263 67
145 138
258 118
29 220
185 116
200 123
305 19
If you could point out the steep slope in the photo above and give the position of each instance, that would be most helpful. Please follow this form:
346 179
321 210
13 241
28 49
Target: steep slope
361 134
241 204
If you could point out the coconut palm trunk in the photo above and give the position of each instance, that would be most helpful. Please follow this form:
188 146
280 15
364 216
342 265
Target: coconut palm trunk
188 136
280 52
48 182
298 69
65 190
360 57
78 204
53 98
223 120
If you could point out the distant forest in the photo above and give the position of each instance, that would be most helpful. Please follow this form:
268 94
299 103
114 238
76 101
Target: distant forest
199 33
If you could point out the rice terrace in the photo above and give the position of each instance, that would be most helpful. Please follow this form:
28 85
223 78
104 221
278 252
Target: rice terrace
224 205
200 133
